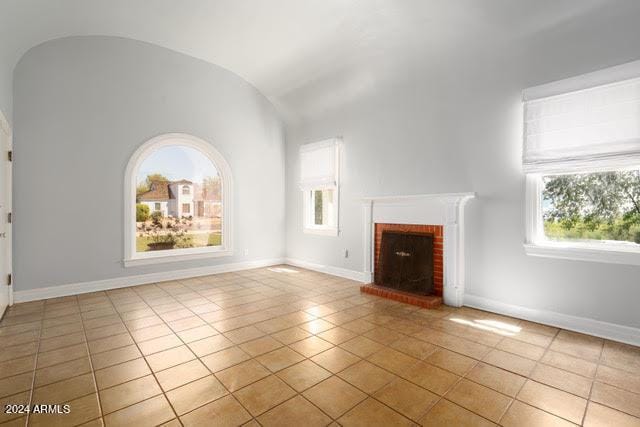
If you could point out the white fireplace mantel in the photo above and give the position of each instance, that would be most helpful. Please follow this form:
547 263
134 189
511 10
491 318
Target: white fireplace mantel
446 209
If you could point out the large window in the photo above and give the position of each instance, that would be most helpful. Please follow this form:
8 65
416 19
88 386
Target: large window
165 177
582 159
319 182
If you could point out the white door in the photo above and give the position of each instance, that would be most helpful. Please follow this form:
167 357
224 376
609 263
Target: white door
5 208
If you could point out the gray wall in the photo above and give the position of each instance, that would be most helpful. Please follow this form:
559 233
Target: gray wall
82 106
6 89
456 126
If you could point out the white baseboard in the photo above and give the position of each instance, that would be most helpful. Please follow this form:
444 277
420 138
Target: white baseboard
141 279
328 269
584 325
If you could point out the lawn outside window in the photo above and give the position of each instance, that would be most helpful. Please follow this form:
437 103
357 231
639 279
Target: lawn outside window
581 157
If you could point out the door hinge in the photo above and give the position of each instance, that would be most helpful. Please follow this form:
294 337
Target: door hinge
8 279
9 218
10 156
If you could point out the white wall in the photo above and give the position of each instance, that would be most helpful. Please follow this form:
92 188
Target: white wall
82 106
456 126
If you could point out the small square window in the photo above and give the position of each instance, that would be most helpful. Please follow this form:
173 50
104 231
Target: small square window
158 207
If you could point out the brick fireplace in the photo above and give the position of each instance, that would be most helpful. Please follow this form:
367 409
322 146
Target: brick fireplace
438 251
441 215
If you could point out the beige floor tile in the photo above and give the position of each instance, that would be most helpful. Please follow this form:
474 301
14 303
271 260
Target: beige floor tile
123 372
128 393
64 391
616 398
334 396
294 412
445 413
51 344
510 362
82 410
601 416
195 394
15 384
541 340
431 377
359 326
168 358
316 326
521 348
151 412
105 331
311 346
621 356
224 359
17 351
564 380
263 395
181 374
242 374
453 362
414 347
335 359
479 399
210 345
367 376
156 345
557 402
337 335
260 346
114 357
570 363
303 375
361 346
371 412
241 335
497 379
198 333
291 335
14 399
384 336
407 398
62 371
17 366
619 378
279 359
226 412
61 355
151 332
522 415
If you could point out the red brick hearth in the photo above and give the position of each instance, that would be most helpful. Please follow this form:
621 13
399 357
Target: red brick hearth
426 301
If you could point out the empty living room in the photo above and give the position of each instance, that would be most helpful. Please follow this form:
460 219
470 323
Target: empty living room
320 213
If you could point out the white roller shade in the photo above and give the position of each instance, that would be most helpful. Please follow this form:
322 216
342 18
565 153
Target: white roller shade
319 164
591 127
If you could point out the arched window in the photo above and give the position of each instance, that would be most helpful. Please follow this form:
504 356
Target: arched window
177 201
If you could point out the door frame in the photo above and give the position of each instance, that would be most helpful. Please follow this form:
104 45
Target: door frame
7 181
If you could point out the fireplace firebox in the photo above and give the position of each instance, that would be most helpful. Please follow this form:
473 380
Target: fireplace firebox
406 262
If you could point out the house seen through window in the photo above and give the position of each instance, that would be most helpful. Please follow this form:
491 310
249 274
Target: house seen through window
178 200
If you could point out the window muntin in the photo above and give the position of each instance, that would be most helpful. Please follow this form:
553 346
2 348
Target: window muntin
592 207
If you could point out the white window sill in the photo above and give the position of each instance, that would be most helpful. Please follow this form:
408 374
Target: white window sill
176 255
607 253
322 231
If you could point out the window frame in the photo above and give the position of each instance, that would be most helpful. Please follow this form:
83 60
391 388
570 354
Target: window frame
537 244
133 258
308 226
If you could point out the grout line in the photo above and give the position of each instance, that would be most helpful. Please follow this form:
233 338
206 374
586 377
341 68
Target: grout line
93 372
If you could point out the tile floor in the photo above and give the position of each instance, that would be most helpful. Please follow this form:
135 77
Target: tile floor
284 346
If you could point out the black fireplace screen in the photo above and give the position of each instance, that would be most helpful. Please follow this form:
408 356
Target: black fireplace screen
406 262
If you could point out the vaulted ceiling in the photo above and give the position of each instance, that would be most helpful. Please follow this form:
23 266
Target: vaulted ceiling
286 48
